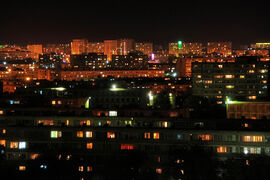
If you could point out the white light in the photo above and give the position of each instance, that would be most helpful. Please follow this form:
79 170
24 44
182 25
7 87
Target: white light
22 145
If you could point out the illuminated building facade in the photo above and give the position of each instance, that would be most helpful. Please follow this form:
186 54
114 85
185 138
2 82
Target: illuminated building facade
222 48
110 48
144 47
91 61
125 46
70 75
248 110
79 46
130 61
173 49
63 49
191 48
244 79
260 46
36 50
95 47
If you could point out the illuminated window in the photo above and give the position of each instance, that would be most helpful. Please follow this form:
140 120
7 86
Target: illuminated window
252 138
89 168
264 81
53 102
199 76
4 131
242 76
59 102
219 102
205 137
56 134
221 149
34 156
88 134
80 134
252 97
108 122
22 168
228 76
263 70
229 86
158 170
220 66
89 145
112 113
80 168
147 135
208 82
67 122
45 122
22 145
251 71
14 145
85 122
155 135
218 97
1 112
127 146
252 150
3 143
110 135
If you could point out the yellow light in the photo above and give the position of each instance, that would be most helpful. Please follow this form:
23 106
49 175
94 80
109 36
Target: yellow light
27 78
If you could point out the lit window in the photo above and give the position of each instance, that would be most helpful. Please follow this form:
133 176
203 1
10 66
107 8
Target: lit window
205 137
3 143
251 71
22 168
252 97
89 168
1 112
158 170
252 138
80 168
110 135
220 66
22 145
147 135
89 145
242 76
229 86
45 122
53 102
199 76
34 156
80 134
14 145
112 113
127 146
4 131
228 76
155 135
221 149
88 134
67 122
56 134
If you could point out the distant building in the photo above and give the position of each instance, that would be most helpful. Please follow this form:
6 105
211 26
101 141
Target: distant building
95 47
110 48
130 61
79 46
63 49
260 46
144 47
36 50
222 48
91 61
244 79
125 46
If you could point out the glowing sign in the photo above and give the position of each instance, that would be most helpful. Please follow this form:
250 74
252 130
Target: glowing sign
153 56
59 89
180 44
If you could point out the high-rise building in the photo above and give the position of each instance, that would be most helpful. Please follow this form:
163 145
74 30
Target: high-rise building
145 48
35 49
191 48
125 46
244 79
173 49
95 47
110 48
57 49
223 48
79 46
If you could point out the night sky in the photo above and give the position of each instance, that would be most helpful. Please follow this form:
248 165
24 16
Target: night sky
159 21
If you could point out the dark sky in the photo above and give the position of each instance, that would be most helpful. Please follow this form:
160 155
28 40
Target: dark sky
160 21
